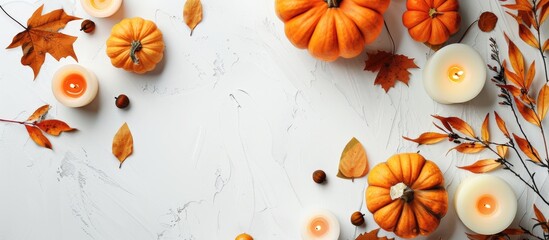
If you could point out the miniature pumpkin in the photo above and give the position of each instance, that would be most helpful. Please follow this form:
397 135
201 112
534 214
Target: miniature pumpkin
332 28
406 195
432 21
135 45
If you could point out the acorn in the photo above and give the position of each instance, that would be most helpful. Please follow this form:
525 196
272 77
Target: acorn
244 236
122 101
319 176
357 218
87 26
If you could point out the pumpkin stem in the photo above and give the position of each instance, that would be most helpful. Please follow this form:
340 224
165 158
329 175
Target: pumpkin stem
433 13
136 47
333 3
400 190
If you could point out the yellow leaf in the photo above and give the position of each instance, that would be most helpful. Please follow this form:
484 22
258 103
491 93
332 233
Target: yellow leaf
122 143
482 166
485 133
501 125
428 138
353 163
192 13
543 102
502 151
546 45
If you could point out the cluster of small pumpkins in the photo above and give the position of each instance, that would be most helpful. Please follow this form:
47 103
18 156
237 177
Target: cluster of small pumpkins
330 29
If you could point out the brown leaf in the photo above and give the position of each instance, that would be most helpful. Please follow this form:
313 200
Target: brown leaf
469 148
487 21
38 137
543 102
485 132
122 144
546 45
41 36
390 68
513 231
192 13
54 127
39 113
458 124
527 149
527 36
353 162
482 166
372 235
527 113
541 219
428 138
502 151
501 125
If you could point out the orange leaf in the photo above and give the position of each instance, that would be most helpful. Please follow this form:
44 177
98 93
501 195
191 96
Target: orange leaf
487 21
513 231
428 138
38 137
544 14
522 7
543 102
192 13
461 126
530 76
527 149
469 148
527 113
501 125
541 4
372 235
541 219
122 144
482 166
390 68
527 36
353 162
41 36
39 113
54 127
546 45
502 151
524 17
485 132
513 77
516 58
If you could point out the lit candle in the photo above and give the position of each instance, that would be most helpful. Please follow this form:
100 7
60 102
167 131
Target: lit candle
454 74
74 86
485 204
319 224
101 8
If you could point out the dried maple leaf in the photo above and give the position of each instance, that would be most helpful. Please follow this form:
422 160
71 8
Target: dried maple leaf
122 144
390 67
41 36
487 21
482 166
540 218
372 235
428 138
527 149
353 163
485 132
543 102
501 125
192 13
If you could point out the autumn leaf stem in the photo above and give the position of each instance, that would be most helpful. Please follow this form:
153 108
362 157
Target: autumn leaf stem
12 18
531 234
390 36
467 30
13 121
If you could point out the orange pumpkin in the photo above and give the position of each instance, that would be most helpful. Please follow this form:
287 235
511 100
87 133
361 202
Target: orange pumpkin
332 28
432 21
406 195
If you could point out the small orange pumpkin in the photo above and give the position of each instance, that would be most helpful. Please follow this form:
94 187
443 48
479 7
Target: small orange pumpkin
136 45
406 195
432 21
332 28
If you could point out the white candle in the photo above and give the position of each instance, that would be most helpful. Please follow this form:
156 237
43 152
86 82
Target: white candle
74 86
454 74
319 224
485 204
101 8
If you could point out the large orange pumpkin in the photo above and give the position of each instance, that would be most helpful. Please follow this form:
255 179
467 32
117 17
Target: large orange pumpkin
432 21
406 195
332 28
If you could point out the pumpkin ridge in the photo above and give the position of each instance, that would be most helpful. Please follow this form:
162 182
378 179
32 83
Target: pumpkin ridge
439 216
344 14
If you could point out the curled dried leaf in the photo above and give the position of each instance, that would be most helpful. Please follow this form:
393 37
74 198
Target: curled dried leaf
54 127
428 138
501 125
527 113
122 143
354 162
482 166
527 149
487 21
38 137
39 113
192 13
485 132
469 148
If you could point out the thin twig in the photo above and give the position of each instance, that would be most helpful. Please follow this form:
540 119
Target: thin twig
12 18
13 121
466 31
390 36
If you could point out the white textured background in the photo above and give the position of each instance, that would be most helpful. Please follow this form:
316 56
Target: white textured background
227 130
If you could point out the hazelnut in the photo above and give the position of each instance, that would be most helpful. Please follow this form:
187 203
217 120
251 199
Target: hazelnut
122 101
319 176
87 26
357 218
244 236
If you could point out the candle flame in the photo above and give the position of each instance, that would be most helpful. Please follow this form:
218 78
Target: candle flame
456 74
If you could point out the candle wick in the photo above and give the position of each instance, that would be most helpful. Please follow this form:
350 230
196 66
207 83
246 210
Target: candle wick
318 228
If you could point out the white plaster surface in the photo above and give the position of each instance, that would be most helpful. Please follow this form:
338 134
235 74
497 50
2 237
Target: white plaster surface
227 130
